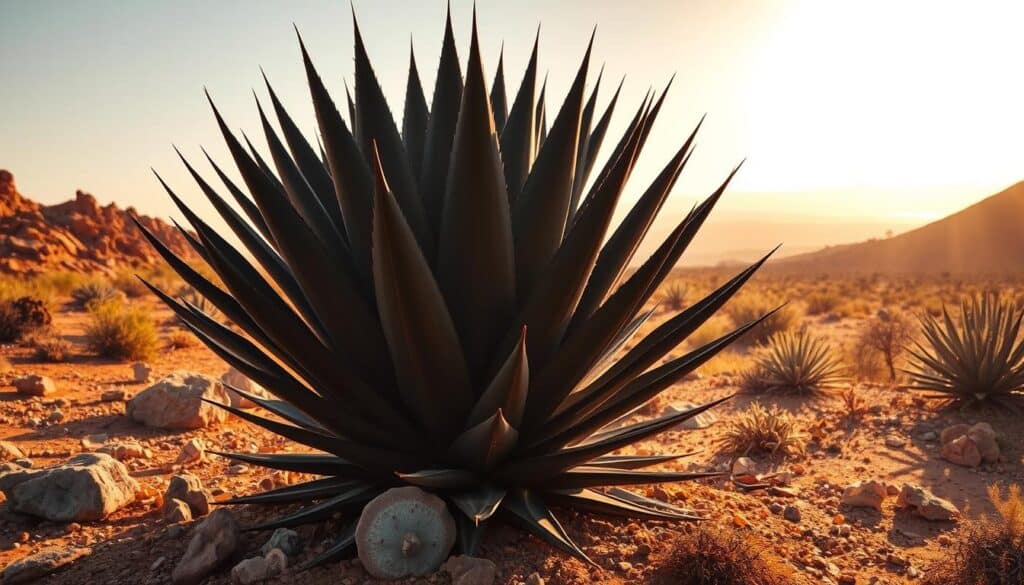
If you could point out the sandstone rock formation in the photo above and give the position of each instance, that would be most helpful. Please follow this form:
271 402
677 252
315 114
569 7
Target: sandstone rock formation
78 235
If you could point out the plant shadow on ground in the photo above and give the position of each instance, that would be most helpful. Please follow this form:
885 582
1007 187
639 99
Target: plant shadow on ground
113 425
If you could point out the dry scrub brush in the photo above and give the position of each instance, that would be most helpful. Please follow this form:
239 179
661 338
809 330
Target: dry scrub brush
885 335
121 332
989 551
21 316
751 307
705 554
762 430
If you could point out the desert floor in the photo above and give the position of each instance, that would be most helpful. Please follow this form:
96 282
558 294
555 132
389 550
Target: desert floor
136 545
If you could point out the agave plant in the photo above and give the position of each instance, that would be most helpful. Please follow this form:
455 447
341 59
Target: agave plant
440 306
978 359
794 362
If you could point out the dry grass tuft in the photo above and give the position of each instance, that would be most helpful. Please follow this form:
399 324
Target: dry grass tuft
989 551
760 430
754 306
49 347
121 332
704 554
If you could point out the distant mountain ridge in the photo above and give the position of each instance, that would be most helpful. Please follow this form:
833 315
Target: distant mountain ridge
985 238
77 235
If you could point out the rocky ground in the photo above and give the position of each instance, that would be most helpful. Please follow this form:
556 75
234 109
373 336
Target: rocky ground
894 442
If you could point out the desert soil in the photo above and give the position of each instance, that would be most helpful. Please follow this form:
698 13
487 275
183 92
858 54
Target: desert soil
135 545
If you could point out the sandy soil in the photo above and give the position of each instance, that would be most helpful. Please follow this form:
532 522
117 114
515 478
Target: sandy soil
135 545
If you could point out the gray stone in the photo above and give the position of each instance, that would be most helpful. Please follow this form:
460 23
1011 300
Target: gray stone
39 565
189 489
925 504
792 513
90 486
249 571
284 539
176 402
215 540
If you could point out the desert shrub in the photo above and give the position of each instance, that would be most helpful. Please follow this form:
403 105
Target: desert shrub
822 302
49 347
121 332
127 282
762 430
181 340
852 308
989 551
92 293
726 362
797 362
705 554
674 296
711 330
750 307
21 316
978 358
886 335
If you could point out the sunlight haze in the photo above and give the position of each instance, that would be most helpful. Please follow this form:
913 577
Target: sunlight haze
881 114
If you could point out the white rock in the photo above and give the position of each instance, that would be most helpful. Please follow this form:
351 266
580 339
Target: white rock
189 489
176 402
702 420
233 377
141 372
90 486
864 494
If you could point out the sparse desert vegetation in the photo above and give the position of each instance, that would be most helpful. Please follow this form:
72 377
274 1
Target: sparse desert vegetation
454 343
122 332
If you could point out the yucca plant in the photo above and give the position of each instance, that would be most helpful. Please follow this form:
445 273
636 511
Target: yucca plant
978 359
434 306
798 362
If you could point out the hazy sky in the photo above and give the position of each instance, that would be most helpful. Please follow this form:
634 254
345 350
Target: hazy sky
883 110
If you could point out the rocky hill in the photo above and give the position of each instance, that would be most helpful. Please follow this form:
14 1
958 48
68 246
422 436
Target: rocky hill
985 238
79 235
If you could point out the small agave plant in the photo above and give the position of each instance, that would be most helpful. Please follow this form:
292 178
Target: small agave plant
797 362
442 305
976 359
